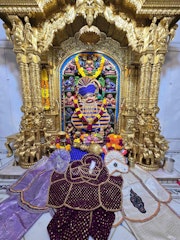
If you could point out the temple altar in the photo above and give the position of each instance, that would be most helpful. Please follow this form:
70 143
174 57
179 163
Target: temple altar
90 75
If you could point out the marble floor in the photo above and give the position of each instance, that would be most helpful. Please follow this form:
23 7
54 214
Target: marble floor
170 180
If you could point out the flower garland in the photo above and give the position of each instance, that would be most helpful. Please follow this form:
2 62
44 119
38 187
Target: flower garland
45 89
114 142
66 145
82 71
96 118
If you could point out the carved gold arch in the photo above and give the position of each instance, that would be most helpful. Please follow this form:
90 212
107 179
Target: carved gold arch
118 54
140 38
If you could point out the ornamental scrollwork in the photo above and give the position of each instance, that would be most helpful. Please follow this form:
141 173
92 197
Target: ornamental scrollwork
90 9
33 58
21 34
21 58
118 53
17 31
49 27
154 37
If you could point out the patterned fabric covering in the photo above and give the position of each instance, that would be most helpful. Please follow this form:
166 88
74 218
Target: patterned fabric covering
164 226
28 196
87 197
76 224
82 189
76 154
32 187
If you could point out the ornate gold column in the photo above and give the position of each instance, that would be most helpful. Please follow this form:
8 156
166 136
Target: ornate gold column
155 80
22 60
52 72
145 79
35 81
148 146
31 143
129 104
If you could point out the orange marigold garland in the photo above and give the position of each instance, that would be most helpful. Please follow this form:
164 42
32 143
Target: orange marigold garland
83 118
64 144
45 89
114 142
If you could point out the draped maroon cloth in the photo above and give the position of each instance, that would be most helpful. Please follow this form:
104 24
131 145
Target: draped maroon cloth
86 199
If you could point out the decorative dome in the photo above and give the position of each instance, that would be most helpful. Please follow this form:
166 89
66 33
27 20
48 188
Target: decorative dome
89 35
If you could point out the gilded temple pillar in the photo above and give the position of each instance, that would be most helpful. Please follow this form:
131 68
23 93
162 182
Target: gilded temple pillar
34 75
161 38
51 72
145 79
151 145
128 104
22 60
155 80
17 34
31 142
130 87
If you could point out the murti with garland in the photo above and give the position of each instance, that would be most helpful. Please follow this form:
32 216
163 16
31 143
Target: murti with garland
90 120
90 116
88 78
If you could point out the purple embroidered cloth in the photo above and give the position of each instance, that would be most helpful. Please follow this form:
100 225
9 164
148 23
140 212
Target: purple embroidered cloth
28 196
33 185
14 220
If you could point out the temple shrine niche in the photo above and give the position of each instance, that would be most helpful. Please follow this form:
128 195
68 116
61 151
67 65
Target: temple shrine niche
89 93
84 56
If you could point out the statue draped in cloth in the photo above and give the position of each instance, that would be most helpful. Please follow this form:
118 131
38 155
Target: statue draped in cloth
90 115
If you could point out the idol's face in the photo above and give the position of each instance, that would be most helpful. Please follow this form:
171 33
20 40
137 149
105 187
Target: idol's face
89 98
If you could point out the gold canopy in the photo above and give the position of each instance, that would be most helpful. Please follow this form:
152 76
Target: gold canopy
79 13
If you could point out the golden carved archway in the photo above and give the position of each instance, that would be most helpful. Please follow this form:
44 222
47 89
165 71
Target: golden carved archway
135 34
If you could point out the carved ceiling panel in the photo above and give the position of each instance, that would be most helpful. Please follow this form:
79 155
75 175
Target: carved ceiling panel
100 22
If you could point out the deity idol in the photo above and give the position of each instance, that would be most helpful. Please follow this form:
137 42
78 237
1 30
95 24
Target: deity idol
90 115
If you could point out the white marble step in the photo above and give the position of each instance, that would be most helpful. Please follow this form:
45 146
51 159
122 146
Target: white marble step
5 161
